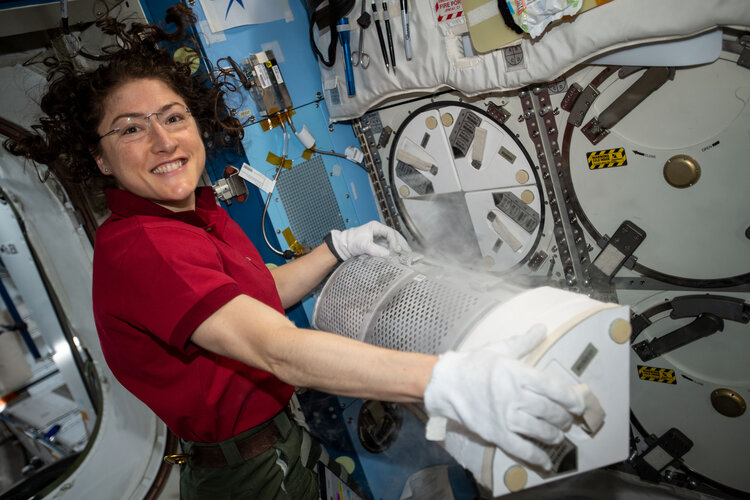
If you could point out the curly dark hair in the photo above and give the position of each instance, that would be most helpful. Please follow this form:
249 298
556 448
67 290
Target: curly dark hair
66 139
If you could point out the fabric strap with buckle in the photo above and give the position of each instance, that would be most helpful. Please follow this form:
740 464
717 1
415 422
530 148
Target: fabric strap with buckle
236 450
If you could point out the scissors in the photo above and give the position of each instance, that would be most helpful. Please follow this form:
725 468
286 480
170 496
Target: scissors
360 57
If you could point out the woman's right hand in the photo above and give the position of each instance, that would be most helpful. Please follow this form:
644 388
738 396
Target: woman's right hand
503 400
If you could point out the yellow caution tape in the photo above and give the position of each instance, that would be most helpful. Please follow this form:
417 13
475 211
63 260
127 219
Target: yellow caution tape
294 245
276 117
607 158
663 375
275 159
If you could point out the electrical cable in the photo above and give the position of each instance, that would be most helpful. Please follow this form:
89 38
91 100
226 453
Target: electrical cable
263 217
333 153
318 151
290 254
291 123
287 254
329 153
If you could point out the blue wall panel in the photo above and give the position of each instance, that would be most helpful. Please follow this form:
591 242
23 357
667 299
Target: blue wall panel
290 43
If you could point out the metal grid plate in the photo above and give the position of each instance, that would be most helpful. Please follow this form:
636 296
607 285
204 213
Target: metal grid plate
309 202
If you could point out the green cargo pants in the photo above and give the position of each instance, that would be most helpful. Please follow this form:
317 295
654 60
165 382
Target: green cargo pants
286 470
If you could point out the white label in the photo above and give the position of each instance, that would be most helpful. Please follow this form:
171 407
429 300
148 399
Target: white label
277 74
504 233
260 74
480 139
257 178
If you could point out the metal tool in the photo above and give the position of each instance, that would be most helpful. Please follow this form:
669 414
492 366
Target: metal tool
360 57
344 39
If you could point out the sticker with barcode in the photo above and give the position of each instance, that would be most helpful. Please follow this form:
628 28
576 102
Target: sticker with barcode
257 178
260 73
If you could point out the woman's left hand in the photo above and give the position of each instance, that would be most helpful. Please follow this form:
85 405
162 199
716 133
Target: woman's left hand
361 240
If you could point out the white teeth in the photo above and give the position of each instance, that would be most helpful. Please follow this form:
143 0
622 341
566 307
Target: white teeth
168 167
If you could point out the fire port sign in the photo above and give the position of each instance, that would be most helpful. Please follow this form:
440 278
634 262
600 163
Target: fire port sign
445 10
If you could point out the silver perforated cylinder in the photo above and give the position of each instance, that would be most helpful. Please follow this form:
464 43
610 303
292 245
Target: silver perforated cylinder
424 307
417 307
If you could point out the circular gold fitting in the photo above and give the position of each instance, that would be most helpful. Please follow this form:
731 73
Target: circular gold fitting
620 330
515 478
728 402
681 171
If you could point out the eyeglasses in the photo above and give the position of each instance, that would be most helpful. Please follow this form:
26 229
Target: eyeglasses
135 128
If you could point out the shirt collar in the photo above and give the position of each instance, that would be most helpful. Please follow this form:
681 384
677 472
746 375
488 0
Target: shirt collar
123 204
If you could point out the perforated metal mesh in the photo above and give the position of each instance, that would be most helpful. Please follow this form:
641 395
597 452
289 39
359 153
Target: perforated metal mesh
309 202
422 316
348 298
417 307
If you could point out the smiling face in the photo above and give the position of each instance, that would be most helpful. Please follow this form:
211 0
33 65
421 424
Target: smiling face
165 164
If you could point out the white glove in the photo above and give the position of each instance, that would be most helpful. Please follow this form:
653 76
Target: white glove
501 399
361 240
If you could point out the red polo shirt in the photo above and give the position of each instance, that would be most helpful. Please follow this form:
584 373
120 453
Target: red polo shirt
158 275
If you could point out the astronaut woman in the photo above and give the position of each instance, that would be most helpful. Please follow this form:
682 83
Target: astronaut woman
192 322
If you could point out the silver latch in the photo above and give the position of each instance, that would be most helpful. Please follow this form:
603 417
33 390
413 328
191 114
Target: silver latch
231 186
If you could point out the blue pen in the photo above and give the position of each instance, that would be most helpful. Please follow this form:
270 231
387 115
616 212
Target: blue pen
344 39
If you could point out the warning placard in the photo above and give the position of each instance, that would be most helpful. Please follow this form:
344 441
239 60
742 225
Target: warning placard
607 158
663 375
445 10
